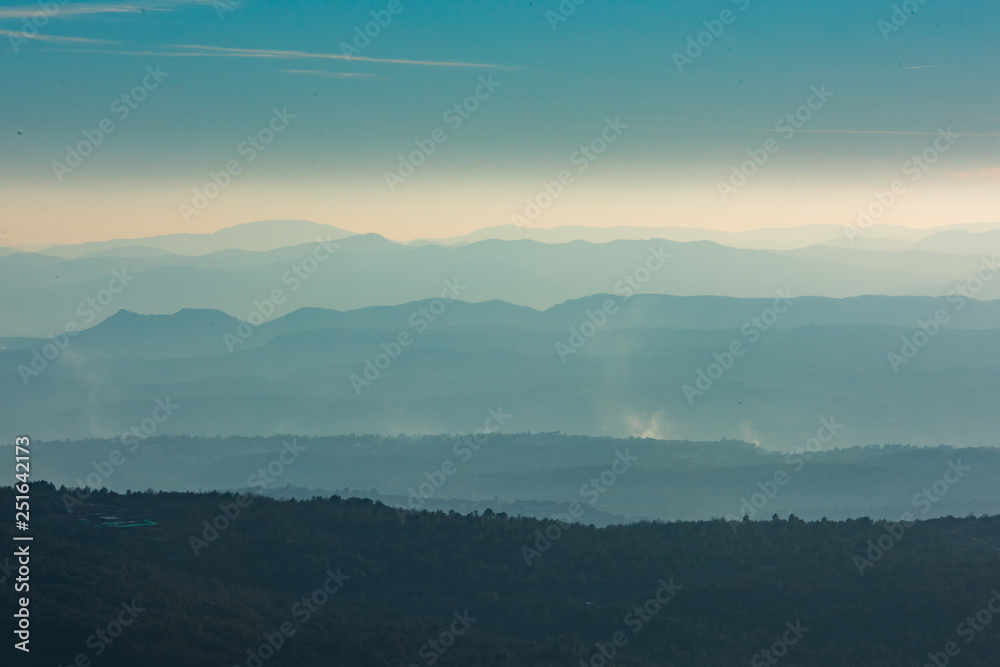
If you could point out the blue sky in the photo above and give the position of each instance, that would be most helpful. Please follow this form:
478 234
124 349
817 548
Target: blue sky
228 71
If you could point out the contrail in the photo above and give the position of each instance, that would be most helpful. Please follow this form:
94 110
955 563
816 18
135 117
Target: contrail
772 130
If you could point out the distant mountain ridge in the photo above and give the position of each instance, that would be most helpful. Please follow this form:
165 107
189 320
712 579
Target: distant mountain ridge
365 270
196 332
659 366
252 236
693 313
956 239
264 235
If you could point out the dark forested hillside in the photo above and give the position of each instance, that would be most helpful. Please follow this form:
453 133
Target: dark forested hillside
351 582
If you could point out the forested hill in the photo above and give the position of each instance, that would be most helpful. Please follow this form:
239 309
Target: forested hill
352 582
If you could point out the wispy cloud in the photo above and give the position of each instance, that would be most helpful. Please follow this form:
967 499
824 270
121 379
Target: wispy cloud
53 39
329 75
979 174
70 10
771 130
202 51
924 67
225 52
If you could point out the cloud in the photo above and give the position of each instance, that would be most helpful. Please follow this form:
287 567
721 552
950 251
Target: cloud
202 51
69 10
54 39
771 130
656 426
979 174
749 434
225 52
329 75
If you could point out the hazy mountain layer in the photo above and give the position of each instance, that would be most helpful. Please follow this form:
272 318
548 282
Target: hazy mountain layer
958 239
736 369
539 475
48 294
253 236
962 239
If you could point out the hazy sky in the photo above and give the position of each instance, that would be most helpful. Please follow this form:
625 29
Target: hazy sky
551 86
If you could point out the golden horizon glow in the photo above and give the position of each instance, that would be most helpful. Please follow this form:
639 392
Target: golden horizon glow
61 215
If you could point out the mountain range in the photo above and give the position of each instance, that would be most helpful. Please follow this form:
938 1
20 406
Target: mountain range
334 270
699 368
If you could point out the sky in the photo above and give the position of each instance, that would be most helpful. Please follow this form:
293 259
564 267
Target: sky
132 119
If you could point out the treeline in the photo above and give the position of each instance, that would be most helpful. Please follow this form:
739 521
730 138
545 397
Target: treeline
528 473
231 580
